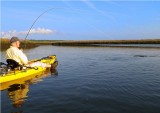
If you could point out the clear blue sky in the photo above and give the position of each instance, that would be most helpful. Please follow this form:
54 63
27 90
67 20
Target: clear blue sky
81 20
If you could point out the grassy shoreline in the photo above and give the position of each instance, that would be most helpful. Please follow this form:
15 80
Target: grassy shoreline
34 43
5 44
87 42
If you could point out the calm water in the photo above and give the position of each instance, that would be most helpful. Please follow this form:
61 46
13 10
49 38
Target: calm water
93 80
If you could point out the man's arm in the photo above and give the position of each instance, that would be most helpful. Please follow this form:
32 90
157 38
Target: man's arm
23 58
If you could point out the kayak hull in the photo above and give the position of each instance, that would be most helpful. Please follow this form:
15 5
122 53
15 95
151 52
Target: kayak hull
19 74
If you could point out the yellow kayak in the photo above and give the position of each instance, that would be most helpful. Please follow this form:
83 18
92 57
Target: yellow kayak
29 71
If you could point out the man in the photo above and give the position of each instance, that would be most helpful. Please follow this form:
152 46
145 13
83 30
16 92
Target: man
16 54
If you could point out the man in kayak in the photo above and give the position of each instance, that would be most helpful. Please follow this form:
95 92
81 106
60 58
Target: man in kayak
16 54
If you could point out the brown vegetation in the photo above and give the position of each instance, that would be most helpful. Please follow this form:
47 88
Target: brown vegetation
91 42
29 43
5 43
34 43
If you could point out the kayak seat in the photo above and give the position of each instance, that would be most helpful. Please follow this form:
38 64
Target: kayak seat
13 64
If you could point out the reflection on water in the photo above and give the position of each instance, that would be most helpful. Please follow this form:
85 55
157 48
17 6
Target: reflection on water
18 91
146 56
18 94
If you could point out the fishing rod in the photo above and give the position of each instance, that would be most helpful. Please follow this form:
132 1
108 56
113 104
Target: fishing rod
34 23
25 42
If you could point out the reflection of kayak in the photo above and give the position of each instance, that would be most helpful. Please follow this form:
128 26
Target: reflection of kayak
17 90
32 79
19 74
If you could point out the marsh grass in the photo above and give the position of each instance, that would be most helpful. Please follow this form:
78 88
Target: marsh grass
89 42
5 44
34 43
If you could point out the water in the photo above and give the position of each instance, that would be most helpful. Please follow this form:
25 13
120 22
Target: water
94 80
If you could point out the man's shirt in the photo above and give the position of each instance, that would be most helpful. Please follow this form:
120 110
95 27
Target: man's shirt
17 55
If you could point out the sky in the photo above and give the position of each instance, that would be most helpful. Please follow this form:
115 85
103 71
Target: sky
80 19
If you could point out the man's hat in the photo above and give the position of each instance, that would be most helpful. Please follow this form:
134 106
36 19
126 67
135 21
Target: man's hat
14 39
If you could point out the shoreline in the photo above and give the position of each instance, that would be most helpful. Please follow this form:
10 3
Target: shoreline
87 43
83 42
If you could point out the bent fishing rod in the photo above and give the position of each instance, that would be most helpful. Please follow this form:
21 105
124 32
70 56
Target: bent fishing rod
25 42
34 23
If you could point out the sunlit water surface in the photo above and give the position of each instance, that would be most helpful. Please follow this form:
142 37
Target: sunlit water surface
93 80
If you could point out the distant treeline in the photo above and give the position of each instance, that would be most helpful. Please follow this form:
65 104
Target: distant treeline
91 42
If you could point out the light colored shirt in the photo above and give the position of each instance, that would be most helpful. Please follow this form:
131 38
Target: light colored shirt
17 55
